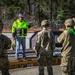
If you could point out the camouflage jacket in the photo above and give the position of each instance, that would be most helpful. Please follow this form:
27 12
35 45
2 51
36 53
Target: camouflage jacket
45 41
5 43
67 39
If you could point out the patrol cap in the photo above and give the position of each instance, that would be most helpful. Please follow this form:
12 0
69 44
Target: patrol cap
69 22
45 23
20 15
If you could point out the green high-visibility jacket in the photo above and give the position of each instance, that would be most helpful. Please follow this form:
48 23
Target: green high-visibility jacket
19 25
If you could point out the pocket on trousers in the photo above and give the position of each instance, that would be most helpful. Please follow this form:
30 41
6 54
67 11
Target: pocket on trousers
72 64
64 64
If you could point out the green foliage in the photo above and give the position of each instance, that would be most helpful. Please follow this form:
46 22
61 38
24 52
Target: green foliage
22 1
11 7
63 14
61 9
12 10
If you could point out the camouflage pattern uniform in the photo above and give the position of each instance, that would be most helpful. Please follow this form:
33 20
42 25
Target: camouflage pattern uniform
67 39
45 46
5 43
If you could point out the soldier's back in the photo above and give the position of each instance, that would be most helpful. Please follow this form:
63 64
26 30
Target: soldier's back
46 38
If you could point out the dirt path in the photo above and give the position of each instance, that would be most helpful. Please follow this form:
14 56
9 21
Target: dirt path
34 71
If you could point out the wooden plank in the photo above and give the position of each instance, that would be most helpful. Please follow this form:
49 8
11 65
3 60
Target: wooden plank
30 62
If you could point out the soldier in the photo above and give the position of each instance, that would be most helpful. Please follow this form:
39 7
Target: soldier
67 39
44 46
5 43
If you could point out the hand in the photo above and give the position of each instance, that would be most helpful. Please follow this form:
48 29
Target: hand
35 50
29 23
14 38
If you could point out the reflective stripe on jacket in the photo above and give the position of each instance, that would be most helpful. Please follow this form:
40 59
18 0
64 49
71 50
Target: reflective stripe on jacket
20 27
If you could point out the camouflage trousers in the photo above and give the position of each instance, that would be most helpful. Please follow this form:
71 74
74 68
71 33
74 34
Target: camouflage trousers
4 66
68 66
42 61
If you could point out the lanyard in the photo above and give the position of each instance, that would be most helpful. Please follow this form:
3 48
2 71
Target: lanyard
71 30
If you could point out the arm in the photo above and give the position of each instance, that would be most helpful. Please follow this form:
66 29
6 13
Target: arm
52 42
14 30
7 42
38 43
29 24
61 38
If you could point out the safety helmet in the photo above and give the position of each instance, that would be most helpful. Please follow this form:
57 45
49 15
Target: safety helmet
20 15
45 23
69 22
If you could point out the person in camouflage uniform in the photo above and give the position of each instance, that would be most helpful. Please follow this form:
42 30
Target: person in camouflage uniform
67 39
45 45
5 43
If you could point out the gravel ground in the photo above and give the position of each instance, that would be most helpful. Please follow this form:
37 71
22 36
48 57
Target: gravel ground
33 71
